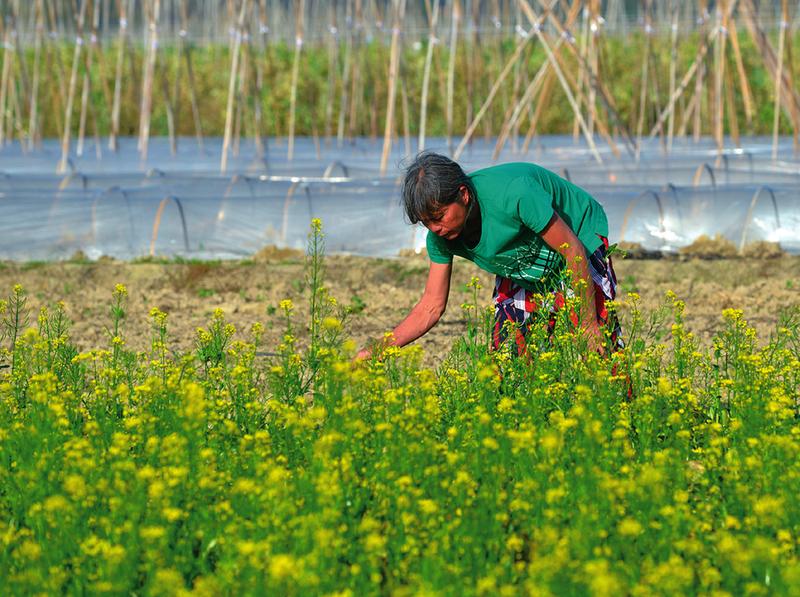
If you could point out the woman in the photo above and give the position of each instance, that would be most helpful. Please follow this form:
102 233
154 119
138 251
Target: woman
520 222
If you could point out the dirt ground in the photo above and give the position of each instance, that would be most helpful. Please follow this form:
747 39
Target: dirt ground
386 289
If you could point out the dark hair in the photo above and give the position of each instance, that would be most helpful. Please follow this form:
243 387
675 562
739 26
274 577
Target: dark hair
432 182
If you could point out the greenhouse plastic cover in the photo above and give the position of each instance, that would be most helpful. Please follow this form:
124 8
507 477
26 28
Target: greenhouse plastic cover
113 203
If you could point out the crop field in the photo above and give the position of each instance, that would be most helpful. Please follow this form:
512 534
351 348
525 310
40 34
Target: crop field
244 466
185 404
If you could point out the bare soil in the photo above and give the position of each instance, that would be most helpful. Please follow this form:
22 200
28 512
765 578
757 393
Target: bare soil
250 291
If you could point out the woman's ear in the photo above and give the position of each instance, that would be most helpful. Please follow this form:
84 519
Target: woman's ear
464 194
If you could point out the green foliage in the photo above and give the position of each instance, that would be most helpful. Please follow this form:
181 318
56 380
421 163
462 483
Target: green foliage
477 67
665 468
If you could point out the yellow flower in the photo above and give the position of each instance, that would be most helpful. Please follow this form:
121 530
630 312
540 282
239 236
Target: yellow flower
282 566
331 323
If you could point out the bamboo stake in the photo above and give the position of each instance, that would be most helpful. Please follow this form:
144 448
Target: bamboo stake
16 116
355 98
789 96
525 100
122 7
648 28
719 72
584 53
348 51
474 61
544 99
701 53
779 76
496 86
87 81
152 15
673 65
333 62
531 15
528 95
173 142
187 55
4 80
594 77
53 63
733 121
455 16
399 7
700 79
601 127
747 95
232 88
33 135
593 60
62 166
298 46
406 116
426 74
18 51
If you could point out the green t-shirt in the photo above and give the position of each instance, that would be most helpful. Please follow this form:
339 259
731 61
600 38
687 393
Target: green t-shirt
517 201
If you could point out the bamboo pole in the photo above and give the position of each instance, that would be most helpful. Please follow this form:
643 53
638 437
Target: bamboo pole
33 123
584 53
747 95
152 12
54 64
426 74
346 67
593 59
187 55
648 29
89 57
399 7
790 76
719 73
122 8
594 77
232 87
732 119
789 96
544 99
4 80
784 25
673 67
406 115
18 50
355 81
700 78
531 15
333 66
455 16
701 53
496 86
528 95
65 139
298 46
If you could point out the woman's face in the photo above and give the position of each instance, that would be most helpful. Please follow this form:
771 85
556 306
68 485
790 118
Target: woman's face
449 221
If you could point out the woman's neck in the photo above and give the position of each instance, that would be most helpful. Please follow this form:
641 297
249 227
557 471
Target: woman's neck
471 234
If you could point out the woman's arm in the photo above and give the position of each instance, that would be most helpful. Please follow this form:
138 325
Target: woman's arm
561 238
426 312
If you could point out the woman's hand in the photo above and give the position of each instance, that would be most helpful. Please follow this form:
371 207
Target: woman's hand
595 337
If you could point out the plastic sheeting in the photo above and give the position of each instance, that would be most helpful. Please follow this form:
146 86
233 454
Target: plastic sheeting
115 204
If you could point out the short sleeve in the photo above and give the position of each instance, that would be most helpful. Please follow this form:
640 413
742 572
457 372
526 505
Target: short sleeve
534 204
437 249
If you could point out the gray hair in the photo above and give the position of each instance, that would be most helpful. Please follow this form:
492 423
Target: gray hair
432 182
